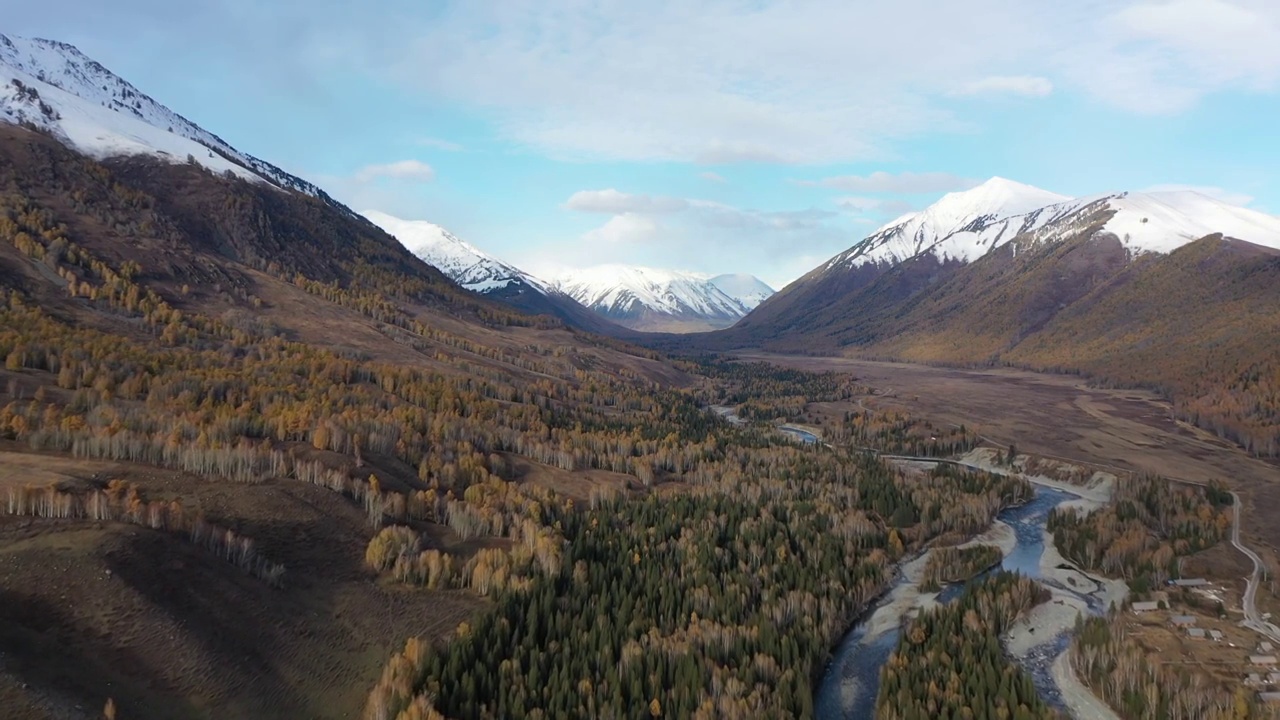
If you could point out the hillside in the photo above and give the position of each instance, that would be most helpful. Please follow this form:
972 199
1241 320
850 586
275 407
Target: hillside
1171 291
228 355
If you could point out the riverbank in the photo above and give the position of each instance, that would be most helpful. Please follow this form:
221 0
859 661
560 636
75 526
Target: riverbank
906 599
1058 615
851 678
1047 620
1084 705
1094 493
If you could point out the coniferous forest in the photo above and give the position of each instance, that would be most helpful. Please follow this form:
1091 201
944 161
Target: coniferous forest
949 662
1140 536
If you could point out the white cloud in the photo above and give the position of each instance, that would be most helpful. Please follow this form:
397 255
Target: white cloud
704 212
412 170
773 81
1163 56
806 81
692 234
625 229
613 202
1226 196
1031 86
712 177
904 183
721 82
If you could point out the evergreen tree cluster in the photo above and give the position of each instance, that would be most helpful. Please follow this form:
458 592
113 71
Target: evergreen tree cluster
1141 535
949 663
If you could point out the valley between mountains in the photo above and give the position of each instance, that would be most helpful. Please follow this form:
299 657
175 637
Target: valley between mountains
265 456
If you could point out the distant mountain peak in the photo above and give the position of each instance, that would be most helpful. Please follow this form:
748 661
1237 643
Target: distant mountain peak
645 298
467 265
743 287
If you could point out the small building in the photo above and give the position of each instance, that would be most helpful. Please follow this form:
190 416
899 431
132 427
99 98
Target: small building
1254 680
1191 582
1183 620
1197 633
1273 678
1215 635
1145 607
1269 698
1265 647
1262 660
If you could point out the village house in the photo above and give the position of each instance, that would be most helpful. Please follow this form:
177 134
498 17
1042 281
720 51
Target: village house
1262 660
1197 633
1145 607
1183 620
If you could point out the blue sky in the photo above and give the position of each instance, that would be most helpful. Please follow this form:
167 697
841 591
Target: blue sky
720 136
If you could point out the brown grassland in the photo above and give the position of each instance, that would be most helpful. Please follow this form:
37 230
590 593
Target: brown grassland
1061 416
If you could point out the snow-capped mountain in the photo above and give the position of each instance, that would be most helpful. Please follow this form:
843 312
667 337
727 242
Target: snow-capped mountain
746 289
661 300
480 272
960 226
962 257
964 226
55 87
467 265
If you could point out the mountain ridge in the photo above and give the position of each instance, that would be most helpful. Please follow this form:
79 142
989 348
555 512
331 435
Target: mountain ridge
652 299
54 86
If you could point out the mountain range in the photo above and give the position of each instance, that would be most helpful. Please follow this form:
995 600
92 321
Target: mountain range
1132 287
632 297
655 300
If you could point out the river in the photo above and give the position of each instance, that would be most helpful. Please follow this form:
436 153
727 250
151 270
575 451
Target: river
847 690
726 412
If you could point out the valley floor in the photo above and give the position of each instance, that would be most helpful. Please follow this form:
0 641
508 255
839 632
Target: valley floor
1060 416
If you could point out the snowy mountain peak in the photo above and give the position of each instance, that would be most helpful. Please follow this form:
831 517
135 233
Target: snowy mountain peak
952 228
996 197
646 298
463 262
963 226
57 88
746 289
